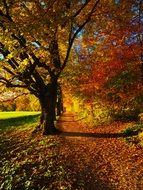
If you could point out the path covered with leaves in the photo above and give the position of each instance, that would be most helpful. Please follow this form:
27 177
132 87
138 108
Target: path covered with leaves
78 158
100 158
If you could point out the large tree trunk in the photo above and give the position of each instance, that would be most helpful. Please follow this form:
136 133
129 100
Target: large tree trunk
48 105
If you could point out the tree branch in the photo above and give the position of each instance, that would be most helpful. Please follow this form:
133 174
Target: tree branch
6 7
5 53
77 32
41 64
82 7
8 70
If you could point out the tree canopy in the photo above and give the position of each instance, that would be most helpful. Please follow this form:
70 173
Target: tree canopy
100 40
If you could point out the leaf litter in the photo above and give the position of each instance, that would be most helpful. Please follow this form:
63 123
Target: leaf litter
70 162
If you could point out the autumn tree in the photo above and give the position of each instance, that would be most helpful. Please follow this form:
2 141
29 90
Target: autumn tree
124 79
36 38
111 57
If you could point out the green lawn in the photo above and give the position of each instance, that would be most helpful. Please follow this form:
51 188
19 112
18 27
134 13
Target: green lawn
28 161
10 120
15 114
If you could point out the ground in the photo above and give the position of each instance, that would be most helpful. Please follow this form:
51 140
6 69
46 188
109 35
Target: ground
79 158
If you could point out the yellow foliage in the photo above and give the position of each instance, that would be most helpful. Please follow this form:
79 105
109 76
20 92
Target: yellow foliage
141 136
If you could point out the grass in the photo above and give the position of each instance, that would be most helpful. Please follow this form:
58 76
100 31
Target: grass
15 114
28 161
12 120
136 128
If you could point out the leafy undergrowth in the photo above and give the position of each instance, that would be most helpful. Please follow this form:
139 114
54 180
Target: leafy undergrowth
80 158
100 157
30 162
134 133
27 160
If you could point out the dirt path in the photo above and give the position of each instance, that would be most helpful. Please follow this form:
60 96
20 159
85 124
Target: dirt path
99 159
77 159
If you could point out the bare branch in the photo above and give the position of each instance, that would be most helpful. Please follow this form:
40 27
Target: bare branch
77 32
6 7
70 33
49 5
41 64
6 16
8 70
9 83
82 7
3 80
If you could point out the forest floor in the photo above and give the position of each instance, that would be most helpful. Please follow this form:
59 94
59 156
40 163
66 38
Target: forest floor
100 157
80 158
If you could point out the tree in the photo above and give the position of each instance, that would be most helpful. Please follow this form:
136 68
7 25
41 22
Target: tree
113 57
35 43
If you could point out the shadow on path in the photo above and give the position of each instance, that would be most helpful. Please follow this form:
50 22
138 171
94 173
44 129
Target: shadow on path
96 135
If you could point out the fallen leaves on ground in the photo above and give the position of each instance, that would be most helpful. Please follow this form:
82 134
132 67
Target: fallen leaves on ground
67 162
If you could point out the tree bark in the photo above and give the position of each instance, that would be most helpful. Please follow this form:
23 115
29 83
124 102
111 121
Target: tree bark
48 105
59 105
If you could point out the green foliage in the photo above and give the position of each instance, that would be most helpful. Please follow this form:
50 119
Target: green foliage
141 137
134 134
9 115
47 143
95 113
138 126
134 128
128 131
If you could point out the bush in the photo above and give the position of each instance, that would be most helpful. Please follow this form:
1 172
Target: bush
96 114
125 115
128 110
133 129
